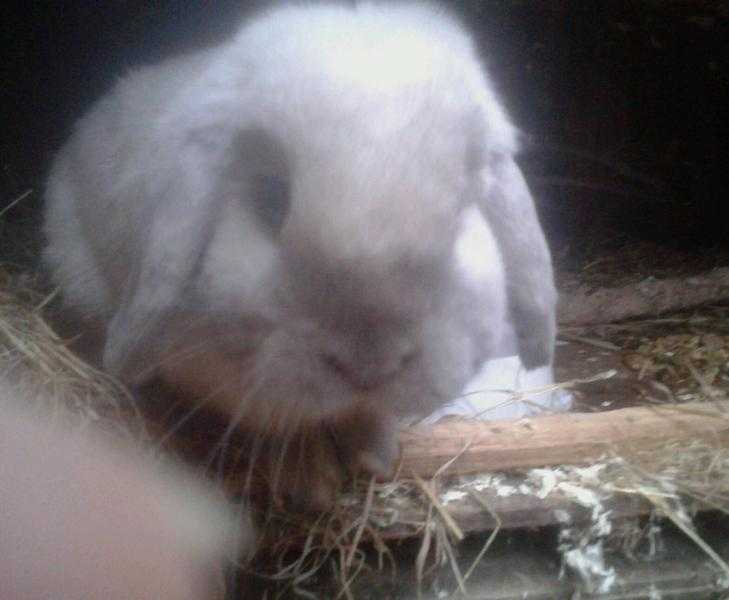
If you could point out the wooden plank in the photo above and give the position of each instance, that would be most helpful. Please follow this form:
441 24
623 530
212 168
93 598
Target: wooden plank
587 305
527 565
517 510
572 438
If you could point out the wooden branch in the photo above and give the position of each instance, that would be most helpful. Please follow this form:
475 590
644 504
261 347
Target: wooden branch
506 447
649 297
572 438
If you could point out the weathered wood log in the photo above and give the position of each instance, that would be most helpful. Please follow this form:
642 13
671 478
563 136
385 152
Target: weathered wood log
649 297
507 448
572 438
518 510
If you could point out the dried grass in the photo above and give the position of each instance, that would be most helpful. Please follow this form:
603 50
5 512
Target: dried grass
355 537
33 356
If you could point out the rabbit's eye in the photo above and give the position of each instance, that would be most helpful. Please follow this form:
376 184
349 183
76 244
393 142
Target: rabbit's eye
259 172
271 200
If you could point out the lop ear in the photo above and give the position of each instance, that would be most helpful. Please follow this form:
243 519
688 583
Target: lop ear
507 204
181 215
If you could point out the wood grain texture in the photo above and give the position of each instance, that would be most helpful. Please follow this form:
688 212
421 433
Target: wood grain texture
586 305
572 438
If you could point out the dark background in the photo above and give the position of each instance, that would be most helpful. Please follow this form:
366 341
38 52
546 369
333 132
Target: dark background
626 104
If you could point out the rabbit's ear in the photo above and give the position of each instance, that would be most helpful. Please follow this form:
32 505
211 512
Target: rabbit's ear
507 204
180 224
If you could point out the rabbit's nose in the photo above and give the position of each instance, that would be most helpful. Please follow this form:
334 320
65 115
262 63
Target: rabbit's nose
371 367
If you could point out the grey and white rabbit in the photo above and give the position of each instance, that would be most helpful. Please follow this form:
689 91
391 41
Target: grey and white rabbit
316 226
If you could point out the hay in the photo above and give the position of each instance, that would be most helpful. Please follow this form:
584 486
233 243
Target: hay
35 358
676 483
355 538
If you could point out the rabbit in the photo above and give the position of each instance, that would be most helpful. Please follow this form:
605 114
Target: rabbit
85 516
315 228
